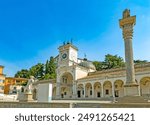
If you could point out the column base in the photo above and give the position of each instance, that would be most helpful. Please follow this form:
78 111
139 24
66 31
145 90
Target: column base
131 90
57 97
74 96
131 95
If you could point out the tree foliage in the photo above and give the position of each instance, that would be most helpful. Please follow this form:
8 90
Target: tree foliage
24 73
98 65
50 69
113 61
140 61
39 71
110 61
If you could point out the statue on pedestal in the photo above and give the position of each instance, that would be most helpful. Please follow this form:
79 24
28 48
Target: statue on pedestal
29 88
26 94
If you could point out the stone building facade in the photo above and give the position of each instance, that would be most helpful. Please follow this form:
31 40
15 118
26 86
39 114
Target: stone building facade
78 78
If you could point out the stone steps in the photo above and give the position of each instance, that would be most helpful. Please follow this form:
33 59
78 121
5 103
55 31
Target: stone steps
132 99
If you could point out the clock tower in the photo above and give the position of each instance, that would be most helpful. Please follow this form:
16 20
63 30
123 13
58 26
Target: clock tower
67 55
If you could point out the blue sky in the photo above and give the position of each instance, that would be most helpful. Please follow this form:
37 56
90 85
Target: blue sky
32 30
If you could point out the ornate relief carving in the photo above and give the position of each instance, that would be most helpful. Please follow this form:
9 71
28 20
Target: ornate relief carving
127 24
128 32
129 20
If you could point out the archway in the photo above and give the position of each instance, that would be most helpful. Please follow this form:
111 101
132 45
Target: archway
66 93
107 89
97 90
66 78
66 85
88 90
145 86
119 89
80 91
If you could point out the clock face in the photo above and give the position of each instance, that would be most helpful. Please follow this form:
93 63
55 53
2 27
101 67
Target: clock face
64 56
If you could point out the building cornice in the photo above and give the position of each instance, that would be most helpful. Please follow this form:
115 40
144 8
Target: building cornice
114 73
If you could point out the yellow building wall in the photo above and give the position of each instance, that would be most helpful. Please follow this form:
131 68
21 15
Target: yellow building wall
12 81
1 70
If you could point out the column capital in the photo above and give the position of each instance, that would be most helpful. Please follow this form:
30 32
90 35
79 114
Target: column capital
127 32
127 23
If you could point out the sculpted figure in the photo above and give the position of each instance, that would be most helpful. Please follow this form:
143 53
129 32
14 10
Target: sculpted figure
29 84
126 13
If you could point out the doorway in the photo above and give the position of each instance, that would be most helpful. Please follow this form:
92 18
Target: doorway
79 94
117 93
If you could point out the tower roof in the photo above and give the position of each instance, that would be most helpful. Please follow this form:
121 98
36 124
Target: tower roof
67 45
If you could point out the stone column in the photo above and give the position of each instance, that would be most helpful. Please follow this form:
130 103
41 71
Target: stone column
102 90
113 90
127 23
74 88
93 90
58 91
84 90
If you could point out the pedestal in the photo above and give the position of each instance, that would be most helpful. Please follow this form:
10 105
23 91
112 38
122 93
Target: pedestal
131 90
27 97
132 95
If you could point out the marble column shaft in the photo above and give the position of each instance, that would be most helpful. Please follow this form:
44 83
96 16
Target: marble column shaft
130 73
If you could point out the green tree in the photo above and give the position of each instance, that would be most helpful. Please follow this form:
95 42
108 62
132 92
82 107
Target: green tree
98 65
50 69
24 73
40 71
47 67
37 71
140 61
113 61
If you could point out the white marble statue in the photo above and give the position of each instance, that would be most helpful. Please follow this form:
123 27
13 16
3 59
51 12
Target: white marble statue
29 84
